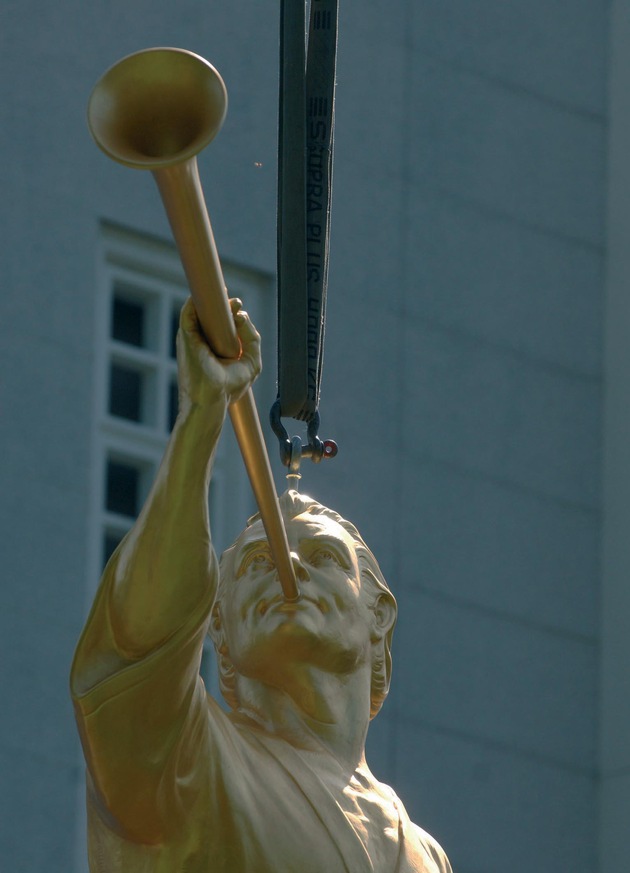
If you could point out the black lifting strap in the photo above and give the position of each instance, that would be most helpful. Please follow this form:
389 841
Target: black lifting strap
306 121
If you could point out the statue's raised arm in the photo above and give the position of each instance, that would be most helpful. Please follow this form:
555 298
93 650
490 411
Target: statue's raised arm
133 703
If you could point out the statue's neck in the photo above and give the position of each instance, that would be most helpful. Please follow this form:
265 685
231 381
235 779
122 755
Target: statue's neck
313 709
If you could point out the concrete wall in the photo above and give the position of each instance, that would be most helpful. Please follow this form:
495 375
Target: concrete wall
462 381
614 745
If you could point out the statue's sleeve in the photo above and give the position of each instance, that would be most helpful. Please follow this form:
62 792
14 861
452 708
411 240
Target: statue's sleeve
143 722
434 849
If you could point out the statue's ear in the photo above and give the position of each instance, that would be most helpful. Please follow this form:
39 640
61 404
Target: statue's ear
215 630
384 617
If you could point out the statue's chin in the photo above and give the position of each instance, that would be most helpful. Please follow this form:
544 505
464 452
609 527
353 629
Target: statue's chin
273 652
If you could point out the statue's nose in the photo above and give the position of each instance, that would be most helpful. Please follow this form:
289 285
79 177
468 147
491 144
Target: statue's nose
301 572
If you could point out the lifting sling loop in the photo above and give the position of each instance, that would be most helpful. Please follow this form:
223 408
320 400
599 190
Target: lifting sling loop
306 121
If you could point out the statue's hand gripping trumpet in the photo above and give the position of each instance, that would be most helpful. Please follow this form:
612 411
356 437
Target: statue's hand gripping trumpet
174 783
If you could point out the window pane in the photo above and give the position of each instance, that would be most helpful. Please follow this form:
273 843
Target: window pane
122 488
128 322
174 329
173 404
125 392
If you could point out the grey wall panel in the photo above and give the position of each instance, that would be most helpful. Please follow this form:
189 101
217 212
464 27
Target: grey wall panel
496 413
546 48
513 812
497 680
503 548
518 287
512 153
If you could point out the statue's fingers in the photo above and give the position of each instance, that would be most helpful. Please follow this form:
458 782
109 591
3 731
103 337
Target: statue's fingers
188 315
247 333
189 322
249 363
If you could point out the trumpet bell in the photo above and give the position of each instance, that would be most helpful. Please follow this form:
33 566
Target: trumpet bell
156 108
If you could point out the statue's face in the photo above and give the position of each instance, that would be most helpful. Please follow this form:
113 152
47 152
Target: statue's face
330 626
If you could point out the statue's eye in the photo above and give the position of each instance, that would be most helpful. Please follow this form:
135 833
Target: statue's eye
259 562
322 557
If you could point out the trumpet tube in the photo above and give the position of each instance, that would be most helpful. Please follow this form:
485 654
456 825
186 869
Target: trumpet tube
156 110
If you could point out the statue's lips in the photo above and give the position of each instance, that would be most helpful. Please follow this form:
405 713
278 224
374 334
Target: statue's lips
279 604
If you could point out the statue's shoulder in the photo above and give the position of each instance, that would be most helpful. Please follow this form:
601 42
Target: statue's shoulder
421 853
423 841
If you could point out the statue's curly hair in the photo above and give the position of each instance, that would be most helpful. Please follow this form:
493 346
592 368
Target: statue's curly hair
293 504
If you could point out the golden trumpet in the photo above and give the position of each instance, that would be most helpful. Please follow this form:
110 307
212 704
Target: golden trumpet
156 110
